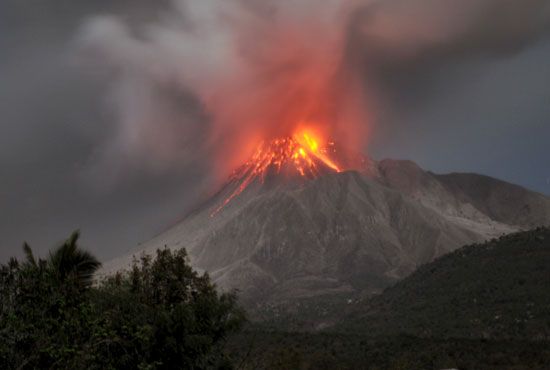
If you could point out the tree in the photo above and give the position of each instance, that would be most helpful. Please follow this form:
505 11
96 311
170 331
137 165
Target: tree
70 262
43 317
180 318
160 314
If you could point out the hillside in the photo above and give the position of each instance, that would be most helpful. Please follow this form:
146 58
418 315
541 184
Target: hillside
502 201
499 290
484 306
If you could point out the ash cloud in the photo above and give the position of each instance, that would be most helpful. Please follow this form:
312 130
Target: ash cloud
399 38
208 79
253 70
399 31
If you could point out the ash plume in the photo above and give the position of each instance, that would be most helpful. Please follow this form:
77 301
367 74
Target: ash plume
206 80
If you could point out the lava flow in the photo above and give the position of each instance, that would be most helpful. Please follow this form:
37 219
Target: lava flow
300 154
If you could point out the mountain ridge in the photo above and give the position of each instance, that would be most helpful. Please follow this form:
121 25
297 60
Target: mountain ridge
352 231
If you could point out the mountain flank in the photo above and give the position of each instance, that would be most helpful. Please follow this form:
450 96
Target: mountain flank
333 234
484 306
496 290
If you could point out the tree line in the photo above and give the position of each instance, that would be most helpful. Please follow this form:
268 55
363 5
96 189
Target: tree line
160 314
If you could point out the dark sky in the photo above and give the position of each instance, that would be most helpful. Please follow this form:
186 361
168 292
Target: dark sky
475 103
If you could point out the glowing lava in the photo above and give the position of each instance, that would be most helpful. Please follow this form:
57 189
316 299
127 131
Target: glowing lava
299 154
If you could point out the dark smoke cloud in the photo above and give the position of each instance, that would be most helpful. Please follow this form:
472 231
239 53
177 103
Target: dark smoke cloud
402 42
254 71
399 32
109 119
251 64
53 125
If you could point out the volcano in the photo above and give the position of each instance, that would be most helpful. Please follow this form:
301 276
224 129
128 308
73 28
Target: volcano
303 218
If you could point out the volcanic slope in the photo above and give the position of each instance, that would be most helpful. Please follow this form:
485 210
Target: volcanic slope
284 237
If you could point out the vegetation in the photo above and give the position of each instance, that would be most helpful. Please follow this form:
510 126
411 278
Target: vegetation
485 306
255 349
159 315
305 313
495 290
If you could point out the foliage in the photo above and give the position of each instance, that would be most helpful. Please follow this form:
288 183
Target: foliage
164 315
257 349
495 290
161 314
484 306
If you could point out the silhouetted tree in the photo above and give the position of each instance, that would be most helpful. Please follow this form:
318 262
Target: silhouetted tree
161 314
68 261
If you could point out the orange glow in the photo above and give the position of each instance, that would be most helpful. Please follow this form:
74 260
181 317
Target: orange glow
310 141
300 154
288 87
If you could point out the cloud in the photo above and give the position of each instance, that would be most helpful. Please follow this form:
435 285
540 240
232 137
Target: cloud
211 78
156 69
400 32
254 71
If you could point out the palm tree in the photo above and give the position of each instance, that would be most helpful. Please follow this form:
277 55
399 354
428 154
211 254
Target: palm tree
65 262
68 261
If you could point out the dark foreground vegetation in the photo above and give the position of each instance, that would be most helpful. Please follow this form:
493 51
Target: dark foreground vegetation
160 315
484 306
255 349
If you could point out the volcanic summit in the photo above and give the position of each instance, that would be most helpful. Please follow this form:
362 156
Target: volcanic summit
292 159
